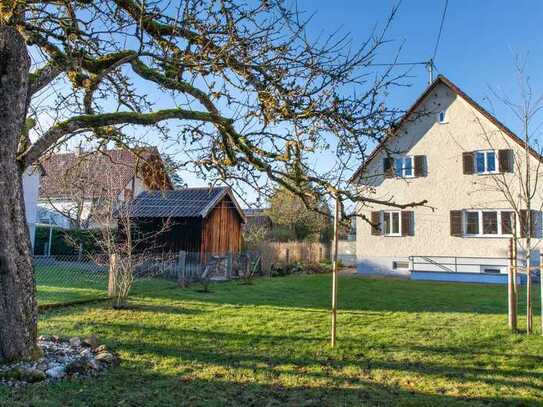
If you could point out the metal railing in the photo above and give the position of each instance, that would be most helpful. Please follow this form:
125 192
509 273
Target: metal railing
456 264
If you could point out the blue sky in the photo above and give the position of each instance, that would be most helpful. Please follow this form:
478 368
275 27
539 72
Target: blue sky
477 48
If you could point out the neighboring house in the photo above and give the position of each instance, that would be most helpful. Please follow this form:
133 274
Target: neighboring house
31 185
257 217
76 182
51 217
200 220
445 150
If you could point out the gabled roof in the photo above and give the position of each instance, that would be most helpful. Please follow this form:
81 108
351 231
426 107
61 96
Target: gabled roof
182 203
91 174
455 89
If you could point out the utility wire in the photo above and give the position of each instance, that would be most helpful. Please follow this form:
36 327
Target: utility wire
398 64
440 30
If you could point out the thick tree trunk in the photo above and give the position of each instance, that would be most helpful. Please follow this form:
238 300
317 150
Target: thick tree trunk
18 309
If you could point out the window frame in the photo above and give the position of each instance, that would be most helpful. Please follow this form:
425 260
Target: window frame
486 154
404 159
391 213
439 119
480 212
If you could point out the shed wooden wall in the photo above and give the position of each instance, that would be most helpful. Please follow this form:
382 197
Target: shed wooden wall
181 234
221 229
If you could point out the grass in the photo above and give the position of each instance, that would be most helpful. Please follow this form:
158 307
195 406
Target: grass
60 285
57 285
400 343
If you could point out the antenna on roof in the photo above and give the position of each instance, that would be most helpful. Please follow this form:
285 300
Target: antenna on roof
430 67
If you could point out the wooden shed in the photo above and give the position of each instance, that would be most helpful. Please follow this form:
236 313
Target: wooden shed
204 220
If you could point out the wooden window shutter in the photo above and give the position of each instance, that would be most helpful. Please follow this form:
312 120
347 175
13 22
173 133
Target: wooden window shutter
376 223
523 220
468 164
456 224
420 161
388 167
407 223
505 159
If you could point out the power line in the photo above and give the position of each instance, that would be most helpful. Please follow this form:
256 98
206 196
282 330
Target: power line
398 63
440 30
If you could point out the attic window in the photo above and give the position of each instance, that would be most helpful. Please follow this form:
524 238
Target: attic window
441 117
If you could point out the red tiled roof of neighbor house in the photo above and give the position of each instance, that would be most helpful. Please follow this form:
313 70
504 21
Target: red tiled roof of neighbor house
455 89
93 173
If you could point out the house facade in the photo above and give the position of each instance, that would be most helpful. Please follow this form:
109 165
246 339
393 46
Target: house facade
451 153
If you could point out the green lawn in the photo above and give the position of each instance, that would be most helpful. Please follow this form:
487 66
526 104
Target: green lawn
57 285
60 285
400 343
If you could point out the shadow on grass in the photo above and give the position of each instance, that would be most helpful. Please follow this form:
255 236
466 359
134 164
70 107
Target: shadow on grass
133 386
160 309
195 344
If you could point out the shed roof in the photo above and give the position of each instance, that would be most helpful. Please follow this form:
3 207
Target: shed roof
182 203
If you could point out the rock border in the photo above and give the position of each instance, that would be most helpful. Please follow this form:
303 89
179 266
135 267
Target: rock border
61 359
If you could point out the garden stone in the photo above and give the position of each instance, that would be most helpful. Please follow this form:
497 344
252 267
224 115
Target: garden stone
56 372
59 360
100 349
93 364
105 357
77 366
90 341
75 341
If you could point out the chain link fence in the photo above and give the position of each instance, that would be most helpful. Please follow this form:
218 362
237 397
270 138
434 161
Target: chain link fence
65 279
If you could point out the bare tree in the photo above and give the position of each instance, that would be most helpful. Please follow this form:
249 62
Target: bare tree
520 188
125 245
256 99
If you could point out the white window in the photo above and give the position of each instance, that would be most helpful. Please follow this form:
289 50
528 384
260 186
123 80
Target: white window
391 223
488 222
486 162
441 117
403 167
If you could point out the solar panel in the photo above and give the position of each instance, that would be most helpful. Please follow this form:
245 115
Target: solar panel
188 202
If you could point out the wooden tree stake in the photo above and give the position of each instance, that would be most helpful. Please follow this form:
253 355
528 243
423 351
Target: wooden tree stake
334 272
511 285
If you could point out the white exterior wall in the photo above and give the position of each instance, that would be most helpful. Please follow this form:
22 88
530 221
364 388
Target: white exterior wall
31 186
66 206
445 187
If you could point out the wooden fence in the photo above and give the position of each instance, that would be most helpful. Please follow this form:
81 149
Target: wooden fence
292 252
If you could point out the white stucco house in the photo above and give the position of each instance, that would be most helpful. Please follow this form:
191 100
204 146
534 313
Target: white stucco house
452 153
75 182
31 185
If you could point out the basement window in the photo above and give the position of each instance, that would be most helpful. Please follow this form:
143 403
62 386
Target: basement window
400 265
